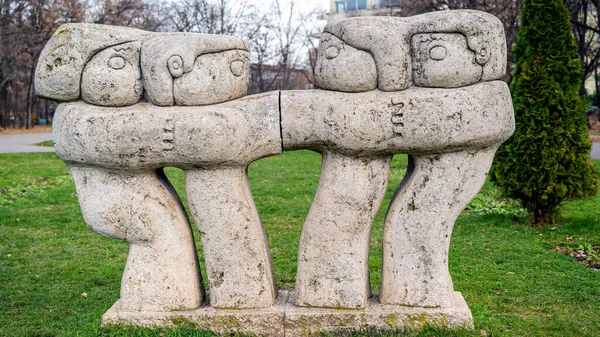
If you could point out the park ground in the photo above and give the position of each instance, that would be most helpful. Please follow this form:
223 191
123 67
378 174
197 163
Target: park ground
57 277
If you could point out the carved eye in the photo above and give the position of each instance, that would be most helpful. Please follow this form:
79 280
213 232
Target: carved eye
116 62
332 52
437 53
175 64
237 68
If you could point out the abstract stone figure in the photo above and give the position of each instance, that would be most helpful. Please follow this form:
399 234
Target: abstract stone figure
118 149
136 102
217 141
333 253
333 268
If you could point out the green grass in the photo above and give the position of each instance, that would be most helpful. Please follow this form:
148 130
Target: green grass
48 143
513 282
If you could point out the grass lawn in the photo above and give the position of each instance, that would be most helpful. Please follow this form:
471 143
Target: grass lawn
57 277
48 143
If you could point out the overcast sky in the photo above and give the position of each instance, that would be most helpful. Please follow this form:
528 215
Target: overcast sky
310 4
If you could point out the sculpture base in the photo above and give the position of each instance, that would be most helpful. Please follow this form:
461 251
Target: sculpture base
286 319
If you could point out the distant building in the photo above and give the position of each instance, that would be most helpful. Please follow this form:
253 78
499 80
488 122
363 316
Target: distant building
340 9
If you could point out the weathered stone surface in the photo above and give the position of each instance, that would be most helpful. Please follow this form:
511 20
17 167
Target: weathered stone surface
238 261
142 208
215 78
260 322
144 136
376 316
63 59
105 66
346 69
172 65
417 120
443 60
333 257
358 133
419 223
113 77
388 40
286 319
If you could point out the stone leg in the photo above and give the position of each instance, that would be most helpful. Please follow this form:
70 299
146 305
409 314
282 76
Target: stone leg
419 224
236 252
333 257
162 272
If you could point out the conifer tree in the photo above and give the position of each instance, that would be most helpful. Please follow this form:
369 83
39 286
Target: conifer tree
547 160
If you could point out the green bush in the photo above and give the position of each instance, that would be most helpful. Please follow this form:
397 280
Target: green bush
547 160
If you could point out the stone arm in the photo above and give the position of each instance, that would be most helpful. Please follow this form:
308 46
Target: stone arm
144 136
417 120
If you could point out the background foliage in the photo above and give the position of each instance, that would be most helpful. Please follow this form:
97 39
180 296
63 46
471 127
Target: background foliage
547 159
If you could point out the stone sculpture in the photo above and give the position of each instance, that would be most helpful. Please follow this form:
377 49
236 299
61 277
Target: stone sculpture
136 102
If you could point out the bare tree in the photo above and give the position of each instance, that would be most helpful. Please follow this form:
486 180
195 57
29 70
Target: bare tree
295 35
34 24
9 54
279 36
226 17
586 29
130 13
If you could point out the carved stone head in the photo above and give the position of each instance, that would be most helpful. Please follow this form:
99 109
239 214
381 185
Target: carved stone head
118 66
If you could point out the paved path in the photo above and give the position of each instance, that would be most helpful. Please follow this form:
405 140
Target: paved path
24 143
596 150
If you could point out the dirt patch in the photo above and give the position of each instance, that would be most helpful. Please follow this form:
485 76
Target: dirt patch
17 131
588 256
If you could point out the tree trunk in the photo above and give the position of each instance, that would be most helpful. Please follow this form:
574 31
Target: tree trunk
30 97
30 101
597 81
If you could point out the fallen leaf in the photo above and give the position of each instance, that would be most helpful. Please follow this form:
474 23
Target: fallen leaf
483 333
8 255
553 228
510 273
84 295
497 293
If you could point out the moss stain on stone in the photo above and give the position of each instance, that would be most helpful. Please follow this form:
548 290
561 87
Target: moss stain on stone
307 326
179 321
416 322
226 322
391 320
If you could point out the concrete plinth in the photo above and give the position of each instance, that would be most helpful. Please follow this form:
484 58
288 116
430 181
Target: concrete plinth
286 319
